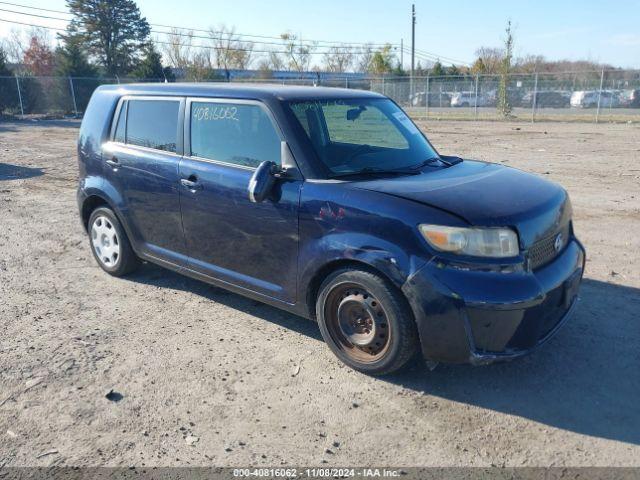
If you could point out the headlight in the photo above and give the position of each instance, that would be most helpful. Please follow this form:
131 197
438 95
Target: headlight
476 242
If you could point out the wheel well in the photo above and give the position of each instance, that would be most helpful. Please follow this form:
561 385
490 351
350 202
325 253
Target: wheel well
315 283
89 205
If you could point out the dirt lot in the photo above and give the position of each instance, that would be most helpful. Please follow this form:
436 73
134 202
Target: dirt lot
205 377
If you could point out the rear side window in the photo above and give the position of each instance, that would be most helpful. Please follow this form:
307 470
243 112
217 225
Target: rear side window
233 133
153 124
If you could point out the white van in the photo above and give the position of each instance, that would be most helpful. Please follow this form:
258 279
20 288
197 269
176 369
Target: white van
589 99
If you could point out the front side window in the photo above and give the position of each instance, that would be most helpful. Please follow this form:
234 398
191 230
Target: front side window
362 135
153 124
241 134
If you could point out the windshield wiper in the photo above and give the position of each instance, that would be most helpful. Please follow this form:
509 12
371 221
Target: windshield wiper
372 171
428 161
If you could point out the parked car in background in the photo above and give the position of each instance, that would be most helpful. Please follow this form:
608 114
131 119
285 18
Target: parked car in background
589 99
630 98
468 99
436 99
545 99
333 205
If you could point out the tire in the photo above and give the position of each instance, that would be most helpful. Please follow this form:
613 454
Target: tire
109 243
366 322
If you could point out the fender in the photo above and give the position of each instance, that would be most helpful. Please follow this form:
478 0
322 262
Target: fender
318 258
102 188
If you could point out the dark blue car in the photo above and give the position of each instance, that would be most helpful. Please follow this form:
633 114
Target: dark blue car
330 204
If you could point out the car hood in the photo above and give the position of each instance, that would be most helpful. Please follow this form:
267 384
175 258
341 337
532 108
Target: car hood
485 194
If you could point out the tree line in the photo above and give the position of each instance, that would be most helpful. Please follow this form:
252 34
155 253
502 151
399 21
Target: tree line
111 38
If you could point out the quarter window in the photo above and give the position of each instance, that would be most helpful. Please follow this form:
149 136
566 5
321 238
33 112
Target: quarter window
119 135
153 124
233 133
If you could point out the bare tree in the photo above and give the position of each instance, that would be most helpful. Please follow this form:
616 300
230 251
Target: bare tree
504 106
230 51
200 67
273 61
339 59
298 53
364 58
15 44
178 49
488 60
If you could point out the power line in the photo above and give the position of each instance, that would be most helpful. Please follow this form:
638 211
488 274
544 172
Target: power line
335 49
160 42
435 57
338 47
328 43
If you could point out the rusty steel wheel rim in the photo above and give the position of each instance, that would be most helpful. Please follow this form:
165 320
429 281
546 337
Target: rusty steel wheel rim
357 322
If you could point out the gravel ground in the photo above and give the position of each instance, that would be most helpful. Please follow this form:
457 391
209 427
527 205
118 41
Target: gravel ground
199 376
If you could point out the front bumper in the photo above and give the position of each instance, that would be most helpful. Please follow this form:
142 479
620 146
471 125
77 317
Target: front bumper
480 316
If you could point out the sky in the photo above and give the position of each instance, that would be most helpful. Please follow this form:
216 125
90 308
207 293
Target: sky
601 31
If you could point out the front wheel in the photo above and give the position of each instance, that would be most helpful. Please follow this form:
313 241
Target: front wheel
366 322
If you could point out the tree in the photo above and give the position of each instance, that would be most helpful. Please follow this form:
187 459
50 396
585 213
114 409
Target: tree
8 93
488 60
363 62
504 107
338 59
177 49
71 61
272 62
4 69
38 57
200 68
297 52
437 70
230 52
453 71
113 31
14 47
150 68
382 61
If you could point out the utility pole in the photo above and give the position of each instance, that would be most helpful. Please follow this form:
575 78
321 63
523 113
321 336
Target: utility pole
413 38
402 54
413 43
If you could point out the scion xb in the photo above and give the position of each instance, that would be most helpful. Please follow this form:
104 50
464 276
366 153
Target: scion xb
333 205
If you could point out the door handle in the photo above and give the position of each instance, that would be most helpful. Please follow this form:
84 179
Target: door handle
191 183
113 162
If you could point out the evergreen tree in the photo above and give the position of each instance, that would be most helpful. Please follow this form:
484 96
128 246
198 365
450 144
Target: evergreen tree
8 93
71 61
113 32
4 69
453 71
151 65
437 70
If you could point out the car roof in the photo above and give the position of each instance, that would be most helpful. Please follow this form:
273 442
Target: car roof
247 91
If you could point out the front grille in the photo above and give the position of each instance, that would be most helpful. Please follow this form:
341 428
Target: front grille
544 251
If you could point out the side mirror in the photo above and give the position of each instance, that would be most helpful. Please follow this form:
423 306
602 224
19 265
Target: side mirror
354 113
262 182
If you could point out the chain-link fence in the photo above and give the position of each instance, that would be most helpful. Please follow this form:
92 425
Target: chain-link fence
607 96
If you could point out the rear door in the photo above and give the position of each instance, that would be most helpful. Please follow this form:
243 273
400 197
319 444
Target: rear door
141 162
251 245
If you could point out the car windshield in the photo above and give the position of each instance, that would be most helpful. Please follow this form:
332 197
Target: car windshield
363 135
